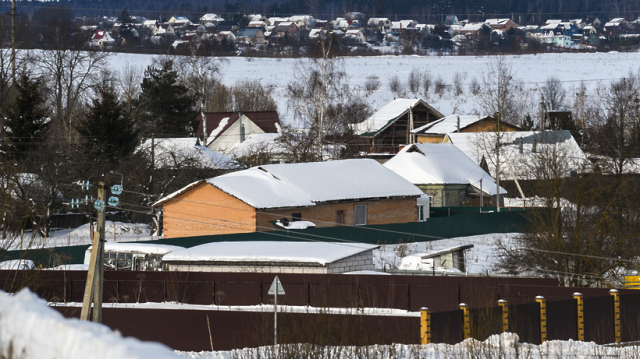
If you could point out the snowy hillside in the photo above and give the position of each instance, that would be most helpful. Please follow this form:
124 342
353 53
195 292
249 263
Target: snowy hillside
592 69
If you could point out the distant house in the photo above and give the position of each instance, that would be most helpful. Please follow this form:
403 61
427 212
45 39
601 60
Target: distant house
303 22
615 26
225 129
210 19
251 35
273 257
163 29
380 23
102 39
355 35
288 31
451 20
391 125
435 131
333 193
403 25
446 174
525 151
472 29
501 24
232 26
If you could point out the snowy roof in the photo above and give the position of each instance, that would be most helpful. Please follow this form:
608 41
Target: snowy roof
496 22
441 251
305 184
256 142
387 115
479 145
472 26
440 163
139 248
219 122
310 253
448 124
17 264
211 17
174 152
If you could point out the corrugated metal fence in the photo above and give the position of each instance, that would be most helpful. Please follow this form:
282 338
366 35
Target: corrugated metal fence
188 329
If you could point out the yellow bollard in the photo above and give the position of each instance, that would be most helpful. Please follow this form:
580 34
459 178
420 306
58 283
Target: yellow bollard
543 318
580 314
616 314
505 315
467 321
425 325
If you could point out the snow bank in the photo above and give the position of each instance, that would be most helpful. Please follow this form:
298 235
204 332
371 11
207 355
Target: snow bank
30 329
504 346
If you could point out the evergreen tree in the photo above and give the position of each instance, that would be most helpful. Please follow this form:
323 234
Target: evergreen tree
126 31
171 107
27 121
109 133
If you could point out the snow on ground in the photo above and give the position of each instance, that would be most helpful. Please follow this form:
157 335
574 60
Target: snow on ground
479 260
124 232
256 308
504 345
532 70
29 329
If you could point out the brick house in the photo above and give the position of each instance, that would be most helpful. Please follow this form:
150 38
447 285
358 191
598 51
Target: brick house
335 193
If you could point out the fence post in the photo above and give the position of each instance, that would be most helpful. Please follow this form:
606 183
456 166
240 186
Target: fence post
425 325
543 318
467 321
580 314
616 314
505 315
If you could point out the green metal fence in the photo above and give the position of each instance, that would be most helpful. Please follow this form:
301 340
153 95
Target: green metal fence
446 223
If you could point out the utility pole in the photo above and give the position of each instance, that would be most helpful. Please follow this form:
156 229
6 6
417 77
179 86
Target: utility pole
13 40
95 276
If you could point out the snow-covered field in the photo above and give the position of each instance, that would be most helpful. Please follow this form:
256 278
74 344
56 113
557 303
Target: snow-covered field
592 69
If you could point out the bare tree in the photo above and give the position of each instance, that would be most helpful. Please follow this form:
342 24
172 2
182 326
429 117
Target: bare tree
71 69
553 94
250 95
318 87
199 72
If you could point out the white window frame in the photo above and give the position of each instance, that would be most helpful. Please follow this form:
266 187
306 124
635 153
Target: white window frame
421 216
355 214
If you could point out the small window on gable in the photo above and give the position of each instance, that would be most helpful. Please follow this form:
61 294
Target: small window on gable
296 217
361 215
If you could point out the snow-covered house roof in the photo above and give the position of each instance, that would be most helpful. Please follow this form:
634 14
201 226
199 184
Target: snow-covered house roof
273 253
139 248
442 163
448 124
219 122
480 147
211 18
175 152
387 115
305 184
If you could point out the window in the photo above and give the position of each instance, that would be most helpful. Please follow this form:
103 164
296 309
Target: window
339 218
296 217
361 215
421 213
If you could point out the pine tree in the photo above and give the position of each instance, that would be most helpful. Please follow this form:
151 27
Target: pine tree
27 121
171 107
109 133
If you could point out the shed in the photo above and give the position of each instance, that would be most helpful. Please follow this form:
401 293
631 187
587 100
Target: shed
437 260
273 257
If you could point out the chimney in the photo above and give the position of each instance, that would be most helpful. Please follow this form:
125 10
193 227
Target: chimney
241 127
458 125
521 145
535 144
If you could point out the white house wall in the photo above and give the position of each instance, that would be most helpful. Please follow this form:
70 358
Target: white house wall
231 136
249 268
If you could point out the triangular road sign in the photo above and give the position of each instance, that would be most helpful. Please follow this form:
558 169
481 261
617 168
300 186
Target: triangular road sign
276 286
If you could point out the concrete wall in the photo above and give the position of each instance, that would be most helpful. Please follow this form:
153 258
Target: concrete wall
248 268
362 261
